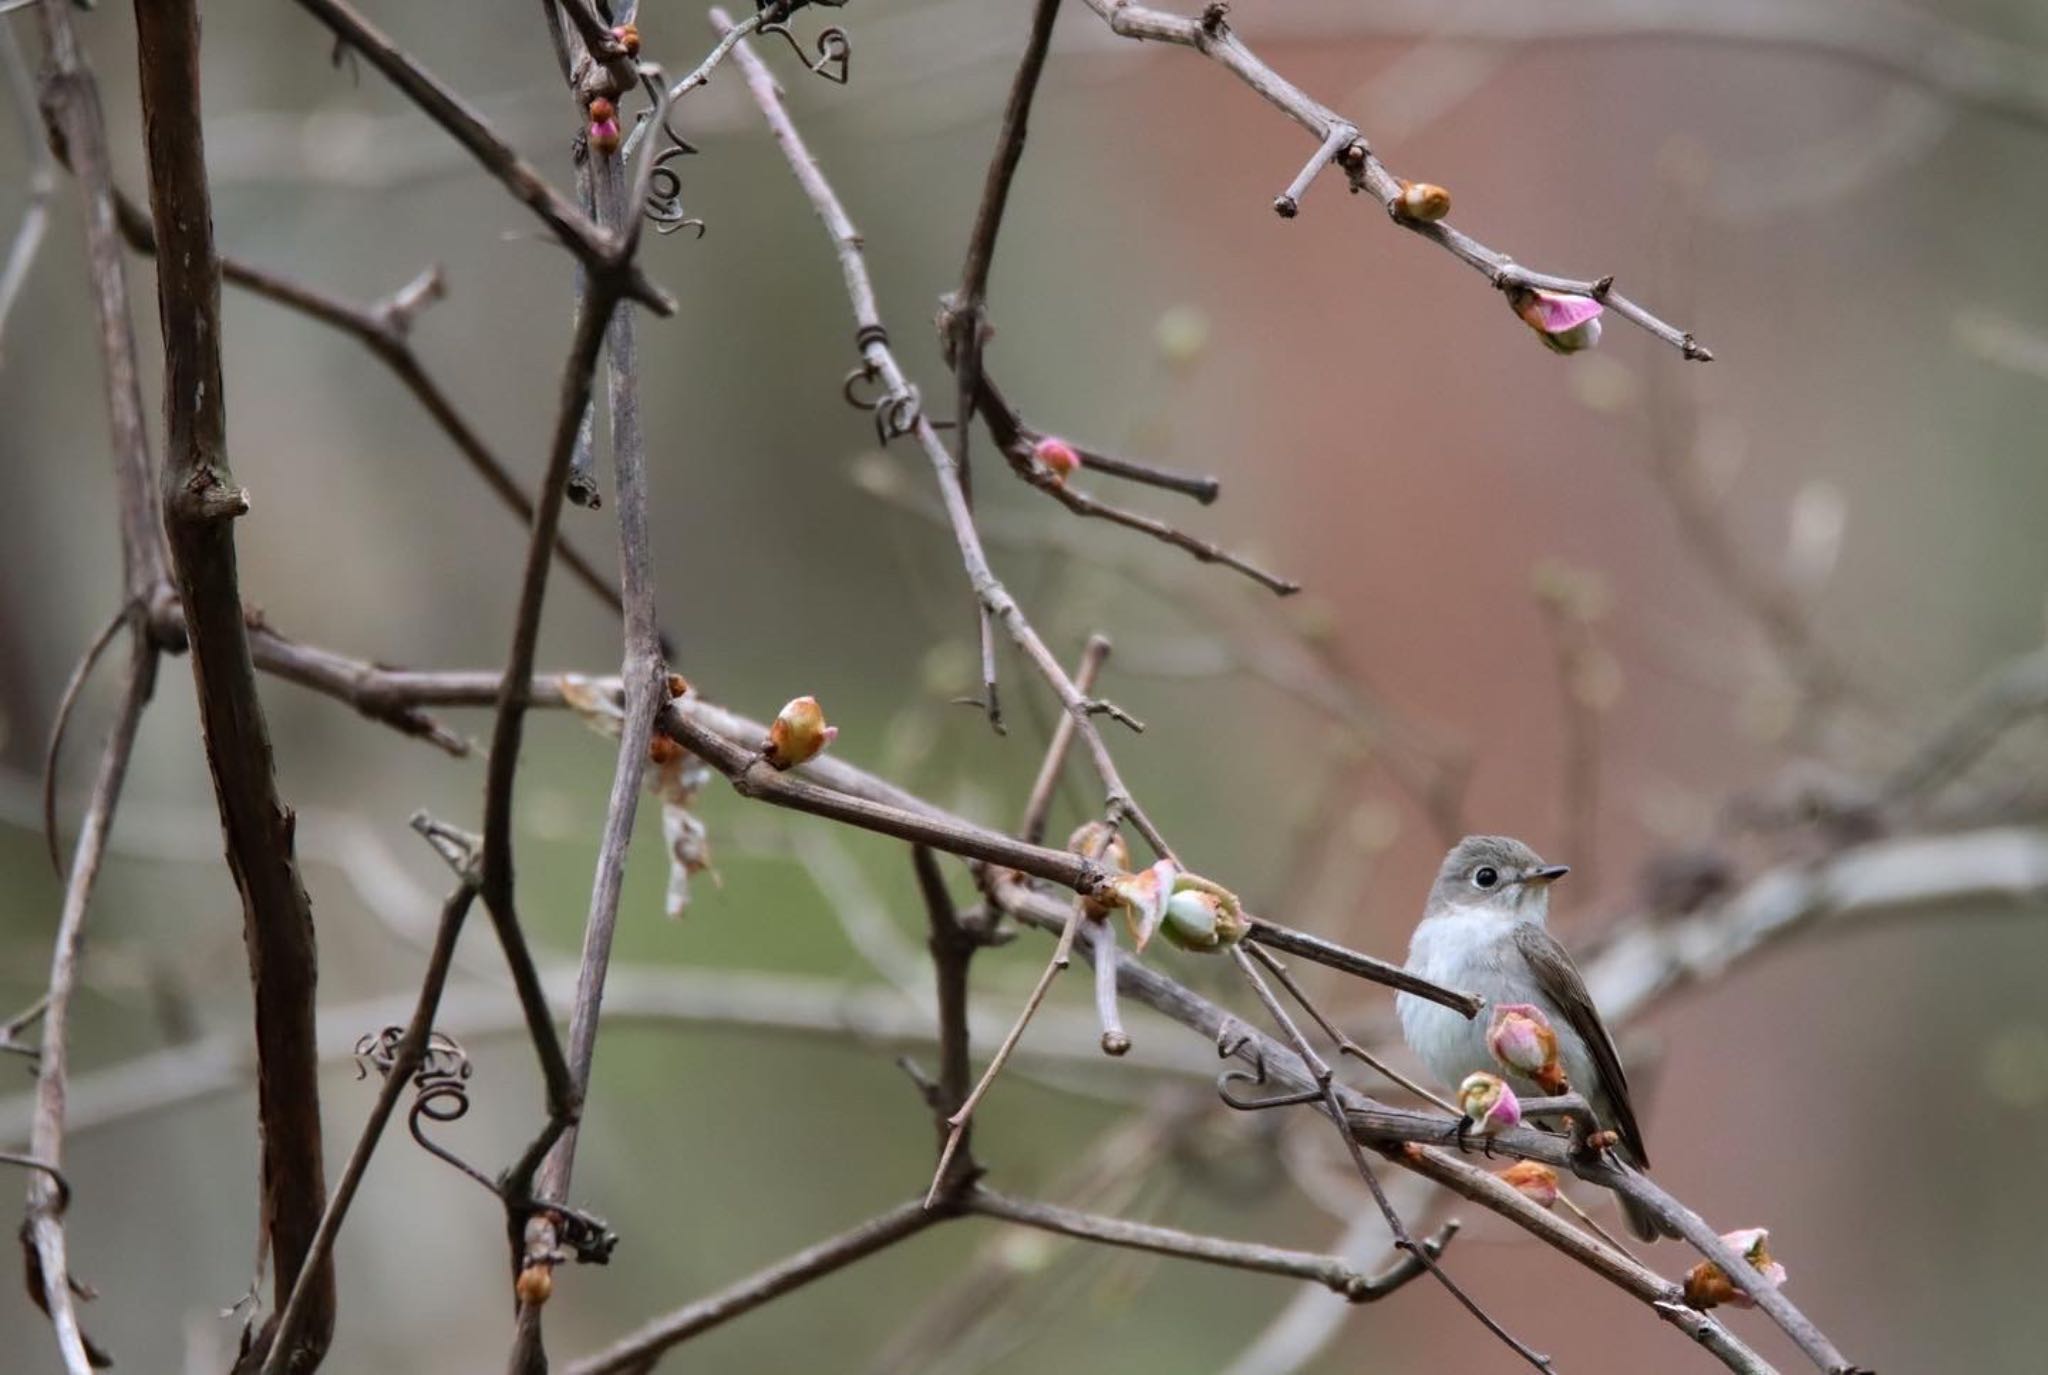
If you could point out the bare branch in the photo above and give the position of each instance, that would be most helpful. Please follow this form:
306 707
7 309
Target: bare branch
589 242
634 1352
284 1353
1329 1271
72 96
385 329
1212 37
199 501
43 1229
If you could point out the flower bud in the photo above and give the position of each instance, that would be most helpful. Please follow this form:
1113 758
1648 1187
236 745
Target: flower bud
535 1284
1524 1044
1488 1103
1533 1181
663 751
1565 323
1056 456
678 685
1707 1285
629 38
604 127
798 733
1423 201
1203 917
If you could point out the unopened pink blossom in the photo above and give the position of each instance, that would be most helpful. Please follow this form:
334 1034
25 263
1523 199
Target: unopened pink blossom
1488 1103
1056 456
1564 322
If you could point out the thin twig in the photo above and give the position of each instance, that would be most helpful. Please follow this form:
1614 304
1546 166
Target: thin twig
44 1226
1329 1271
636 1351
952 950
440 104
1212 37
72 96
398 1074
645 680
1325 1081
385 329
902 411
42 177
1039 802
1062 956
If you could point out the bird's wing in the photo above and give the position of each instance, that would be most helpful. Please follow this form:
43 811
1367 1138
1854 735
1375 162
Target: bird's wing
1559 979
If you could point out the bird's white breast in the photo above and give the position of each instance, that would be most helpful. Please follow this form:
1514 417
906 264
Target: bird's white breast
1474 951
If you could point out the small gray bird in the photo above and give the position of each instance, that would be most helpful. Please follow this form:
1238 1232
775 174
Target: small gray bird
1483 933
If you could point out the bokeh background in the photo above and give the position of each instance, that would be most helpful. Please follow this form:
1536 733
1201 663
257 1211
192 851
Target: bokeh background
1858 249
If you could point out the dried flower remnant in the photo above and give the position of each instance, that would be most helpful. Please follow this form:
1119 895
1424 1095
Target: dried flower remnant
1533 1180
1422 201
1143 896
1564 322
1708 1286
1523 1042
1489 1105
798 734
1098 840
676 777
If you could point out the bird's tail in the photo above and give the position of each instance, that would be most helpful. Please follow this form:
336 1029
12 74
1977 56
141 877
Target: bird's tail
1643 1221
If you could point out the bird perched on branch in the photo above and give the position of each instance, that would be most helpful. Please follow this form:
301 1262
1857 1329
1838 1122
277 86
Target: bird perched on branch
1483 932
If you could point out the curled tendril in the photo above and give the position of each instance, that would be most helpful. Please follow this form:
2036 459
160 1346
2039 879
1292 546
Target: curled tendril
896 413
664 184
440 1086
665 194
835 51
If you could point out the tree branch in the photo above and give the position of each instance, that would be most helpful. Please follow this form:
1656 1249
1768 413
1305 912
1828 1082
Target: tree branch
199 501
1329 1271
1213 39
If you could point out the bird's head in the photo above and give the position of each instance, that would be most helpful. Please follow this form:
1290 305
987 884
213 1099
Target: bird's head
1498 875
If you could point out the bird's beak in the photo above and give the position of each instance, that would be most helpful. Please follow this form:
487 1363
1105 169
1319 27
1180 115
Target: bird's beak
1547 875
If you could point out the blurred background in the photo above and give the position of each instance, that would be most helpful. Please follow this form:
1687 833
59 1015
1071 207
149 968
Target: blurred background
1532 604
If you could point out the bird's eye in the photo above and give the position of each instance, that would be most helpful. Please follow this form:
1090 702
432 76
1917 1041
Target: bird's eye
1486 876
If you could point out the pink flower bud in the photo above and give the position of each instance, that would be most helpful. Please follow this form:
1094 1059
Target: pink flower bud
604 127
1488 1103
1707 1285
1565 323
1521 1039
798 733
1533 1181
1056 456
